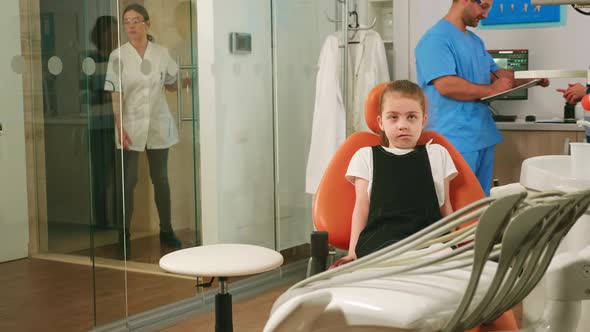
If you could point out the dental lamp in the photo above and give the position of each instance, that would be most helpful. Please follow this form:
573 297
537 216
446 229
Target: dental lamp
576 4
560 2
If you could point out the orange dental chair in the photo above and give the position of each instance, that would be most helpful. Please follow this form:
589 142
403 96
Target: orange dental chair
335 197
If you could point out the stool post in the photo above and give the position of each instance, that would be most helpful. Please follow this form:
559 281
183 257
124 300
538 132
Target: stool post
223 286
223 308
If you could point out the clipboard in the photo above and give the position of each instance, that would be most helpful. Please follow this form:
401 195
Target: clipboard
518 88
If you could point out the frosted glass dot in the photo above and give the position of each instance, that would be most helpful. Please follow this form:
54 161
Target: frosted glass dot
117 66
18 64
258 68
237 69
146 67
55 65
88 66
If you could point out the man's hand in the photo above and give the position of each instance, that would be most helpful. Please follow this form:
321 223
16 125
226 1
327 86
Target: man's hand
544 82
501 84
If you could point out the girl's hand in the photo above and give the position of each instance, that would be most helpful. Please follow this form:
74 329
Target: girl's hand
346 259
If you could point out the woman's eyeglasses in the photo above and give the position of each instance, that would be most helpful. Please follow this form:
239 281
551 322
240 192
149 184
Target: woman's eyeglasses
133 21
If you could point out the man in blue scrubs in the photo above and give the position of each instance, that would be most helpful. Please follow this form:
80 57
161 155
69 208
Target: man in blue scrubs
455 71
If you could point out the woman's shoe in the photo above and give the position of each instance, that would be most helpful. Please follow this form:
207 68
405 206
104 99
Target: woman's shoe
169 239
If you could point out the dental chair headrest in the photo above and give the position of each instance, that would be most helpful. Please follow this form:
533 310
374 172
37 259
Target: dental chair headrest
372 107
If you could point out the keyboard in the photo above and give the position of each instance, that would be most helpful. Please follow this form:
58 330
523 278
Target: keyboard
504 118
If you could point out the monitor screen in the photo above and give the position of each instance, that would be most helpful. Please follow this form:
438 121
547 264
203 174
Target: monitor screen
514 60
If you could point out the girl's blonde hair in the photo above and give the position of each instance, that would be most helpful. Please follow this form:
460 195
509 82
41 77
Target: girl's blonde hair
405 89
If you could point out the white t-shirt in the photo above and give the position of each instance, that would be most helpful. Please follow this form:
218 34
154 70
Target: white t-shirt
146 116
441 164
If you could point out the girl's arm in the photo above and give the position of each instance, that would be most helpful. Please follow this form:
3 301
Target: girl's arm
360 214
446 208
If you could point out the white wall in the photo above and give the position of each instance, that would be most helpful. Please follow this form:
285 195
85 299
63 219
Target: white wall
14 221
207 116
239 129
236 124
300 30
549 48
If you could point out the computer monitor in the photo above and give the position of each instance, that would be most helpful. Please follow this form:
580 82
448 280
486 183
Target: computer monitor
515 60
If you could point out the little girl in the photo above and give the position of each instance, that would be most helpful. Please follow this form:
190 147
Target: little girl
400 187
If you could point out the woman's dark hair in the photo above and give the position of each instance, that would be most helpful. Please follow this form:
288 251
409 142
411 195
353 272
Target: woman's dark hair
101 35
143 12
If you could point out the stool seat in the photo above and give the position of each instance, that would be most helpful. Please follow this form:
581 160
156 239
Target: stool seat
222 260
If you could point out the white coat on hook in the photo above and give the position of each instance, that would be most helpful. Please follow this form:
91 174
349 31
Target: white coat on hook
367 67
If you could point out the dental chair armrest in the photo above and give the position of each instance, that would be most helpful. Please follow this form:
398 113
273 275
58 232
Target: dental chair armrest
568 277
508 189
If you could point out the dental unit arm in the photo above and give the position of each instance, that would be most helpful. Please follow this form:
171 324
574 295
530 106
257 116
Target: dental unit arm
340 299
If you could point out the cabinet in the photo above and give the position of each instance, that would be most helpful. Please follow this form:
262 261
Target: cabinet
519 145
382 12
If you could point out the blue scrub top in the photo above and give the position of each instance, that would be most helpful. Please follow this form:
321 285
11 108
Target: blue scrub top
445 50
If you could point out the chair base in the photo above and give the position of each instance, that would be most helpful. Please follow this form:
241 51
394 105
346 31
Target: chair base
223 308
319 253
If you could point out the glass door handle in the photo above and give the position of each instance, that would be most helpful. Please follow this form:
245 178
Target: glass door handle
187 67
179 95
179 104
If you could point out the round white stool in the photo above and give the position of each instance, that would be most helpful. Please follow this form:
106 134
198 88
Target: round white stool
222 261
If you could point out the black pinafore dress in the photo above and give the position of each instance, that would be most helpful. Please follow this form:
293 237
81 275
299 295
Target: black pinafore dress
403 199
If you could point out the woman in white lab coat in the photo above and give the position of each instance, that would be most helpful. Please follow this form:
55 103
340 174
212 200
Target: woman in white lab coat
137 74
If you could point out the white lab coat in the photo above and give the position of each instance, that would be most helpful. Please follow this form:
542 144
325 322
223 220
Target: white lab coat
367 67
146 116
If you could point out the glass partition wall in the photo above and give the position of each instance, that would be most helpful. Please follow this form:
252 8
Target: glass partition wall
217 162
118 210
84 169
300 28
